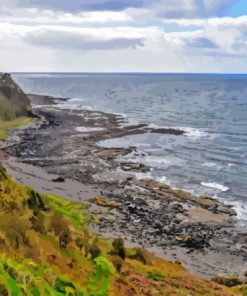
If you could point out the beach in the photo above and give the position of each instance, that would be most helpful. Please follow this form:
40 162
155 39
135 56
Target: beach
61 154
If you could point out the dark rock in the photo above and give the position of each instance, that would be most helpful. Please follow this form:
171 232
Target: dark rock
59 180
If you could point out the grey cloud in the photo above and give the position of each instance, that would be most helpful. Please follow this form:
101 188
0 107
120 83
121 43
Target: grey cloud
160 8
202 8
79 5
74 41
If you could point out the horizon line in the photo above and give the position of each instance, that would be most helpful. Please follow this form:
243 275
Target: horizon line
124 72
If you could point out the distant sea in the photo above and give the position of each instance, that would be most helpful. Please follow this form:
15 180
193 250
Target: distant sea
209 159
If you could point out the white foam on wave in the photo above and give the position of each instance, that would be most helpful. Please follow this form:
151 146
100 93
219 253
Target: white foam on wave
118 114
191 132
194 133
238 205
163 179
215 185
241 210
149 160
140 176
156 161
88 129
210 164
75 107
75 100
42 106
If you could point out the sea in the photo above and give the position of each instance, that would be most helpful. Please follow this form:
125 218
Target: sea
209 159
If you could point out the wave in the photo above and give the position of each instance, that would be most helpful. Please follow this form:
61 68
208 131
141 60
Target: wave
75 107
75 100
88 129
163 179
241 210
140 176
152 161
191 132
210 164
215 185
194 133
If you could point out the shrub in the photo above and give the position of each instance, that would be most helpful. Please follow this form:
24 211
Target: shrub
94 249
94 252
62 285
15 229
86 243
35 202
59 226
140 255
38 223
3 290
118 248
79 242
117 262
64 239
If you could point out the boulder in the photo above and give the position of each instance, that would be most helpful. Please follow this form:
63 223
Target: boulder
59 180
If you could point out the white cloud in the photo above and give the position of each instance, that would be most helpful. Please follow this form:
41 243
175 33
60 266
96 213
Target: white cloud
228 34
134 39
41 16
223 21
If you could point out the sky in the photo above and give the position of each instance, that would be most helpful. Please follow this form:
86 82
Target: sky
205 36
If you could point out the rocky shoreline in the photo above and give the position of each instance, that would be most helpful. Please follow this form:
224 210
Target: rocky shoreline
61 154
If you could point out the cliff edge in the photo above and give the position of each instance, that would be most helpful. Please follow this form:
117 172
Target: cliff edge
14 102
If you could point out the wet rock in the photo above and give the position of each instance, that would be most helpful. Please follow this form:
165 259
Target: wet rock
188 241
169 131
135 167
59 180
226 210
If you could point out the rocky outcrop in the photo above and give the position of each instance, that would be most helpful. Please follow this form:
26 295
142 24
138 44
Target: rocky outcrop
13 101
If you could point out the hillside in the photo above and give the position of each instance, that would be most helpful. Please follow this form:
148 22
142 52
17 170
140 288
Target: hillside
14 102
47 249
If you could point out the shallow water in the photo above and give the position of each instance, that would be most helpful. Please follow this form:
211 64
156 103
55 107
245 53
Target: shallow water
211 158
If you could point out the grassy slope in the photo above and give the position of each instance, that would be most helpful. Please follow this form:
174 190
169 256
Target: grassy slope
5 126
32 262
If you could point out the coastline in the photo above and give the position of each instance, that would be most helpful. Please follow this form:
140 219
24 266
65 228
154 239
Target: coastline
147 212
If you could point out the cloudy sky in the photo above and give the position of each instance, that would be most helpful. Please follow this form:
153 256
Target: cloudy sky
123 35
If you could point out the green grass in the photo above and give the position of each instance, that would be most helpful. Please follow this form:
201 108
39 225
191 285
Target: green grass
5 126
76 212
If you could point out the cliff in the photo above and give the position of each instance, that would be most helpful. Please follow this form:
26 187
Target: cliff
14 102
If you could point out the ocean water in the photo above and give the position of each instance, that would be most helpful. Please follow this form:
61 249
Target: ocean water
209 159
